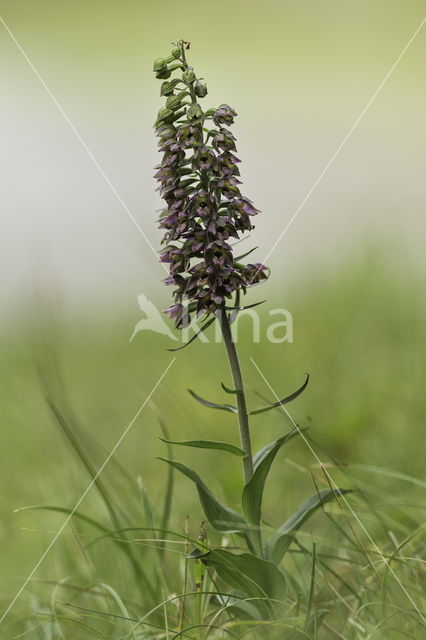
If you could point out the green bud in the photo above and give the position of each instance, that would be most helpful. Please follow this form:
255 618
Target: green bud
167 131
175 65
194 112
166 89
200 89
159 64
188 76
163 74
178 114
177 51
164 114
173 102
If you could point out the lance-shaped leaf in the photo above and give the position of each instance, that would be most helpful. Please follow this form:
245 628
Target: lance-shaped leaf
278 544
208 444
253 490
220 517
213 405
256 577
247 306
205 326
244 255
289 398
237 392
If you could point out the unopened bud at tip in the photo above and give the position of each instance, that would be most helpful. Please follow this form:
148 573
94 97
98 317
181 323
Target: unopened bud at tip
200 89
159 64
177 51
188 76
194 112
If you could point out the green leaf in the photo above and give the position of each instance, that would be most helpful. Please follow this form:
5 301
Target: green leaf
278 544
254 576
241 608
289 398
213 405
233 391
168 497
247 306
253 490
244 255
312 589
68 512
220 517
208 444
203 328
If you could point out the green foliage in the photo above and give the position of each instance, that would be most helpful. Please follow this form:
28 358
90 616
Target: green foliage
208 444
256 578
285 400
212 405
219 516
279 542
253 490
205 326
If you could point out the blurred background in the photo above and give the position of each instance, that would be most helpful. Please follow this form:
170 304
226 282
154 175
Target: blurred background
350 269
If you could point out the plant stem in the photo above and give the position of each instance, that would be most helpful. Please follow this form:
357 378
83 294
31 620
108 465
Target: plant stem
240 396
243 422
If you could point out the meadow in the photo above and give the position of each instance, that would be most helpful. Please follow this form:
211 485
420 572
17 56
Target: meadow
360 333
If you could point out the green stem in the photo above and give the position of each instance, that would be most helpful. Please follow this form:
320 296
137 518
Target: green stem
243 422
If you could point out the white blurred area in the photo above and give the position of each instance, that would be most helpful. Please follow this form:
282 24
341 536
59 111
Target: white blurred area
298 86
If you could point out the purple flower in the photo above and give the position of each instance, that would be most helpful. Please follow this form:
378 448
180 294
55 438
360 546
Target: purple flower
224 115
224 140
256 272
228 164
180 314
218 254
228 187
188 135
204 159
204 206
175 257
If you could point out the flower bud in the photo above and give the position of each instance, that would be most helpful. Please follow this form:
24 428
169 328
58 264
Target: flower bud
166 132
159 64
175 65
164 115
177 51
188 76
166 89
200 89
173 102
163 74
194 112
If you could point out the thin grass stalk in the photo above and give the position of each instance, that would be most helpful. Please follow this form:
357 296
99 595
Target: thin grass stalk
185 576
140 574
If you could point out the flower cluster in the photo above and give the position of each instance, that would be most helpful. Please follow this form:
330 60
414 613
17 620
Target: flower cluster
198 180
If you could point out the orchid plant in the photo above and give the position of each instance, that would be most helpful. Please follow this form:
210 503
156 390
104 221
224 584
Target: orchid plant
204 213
